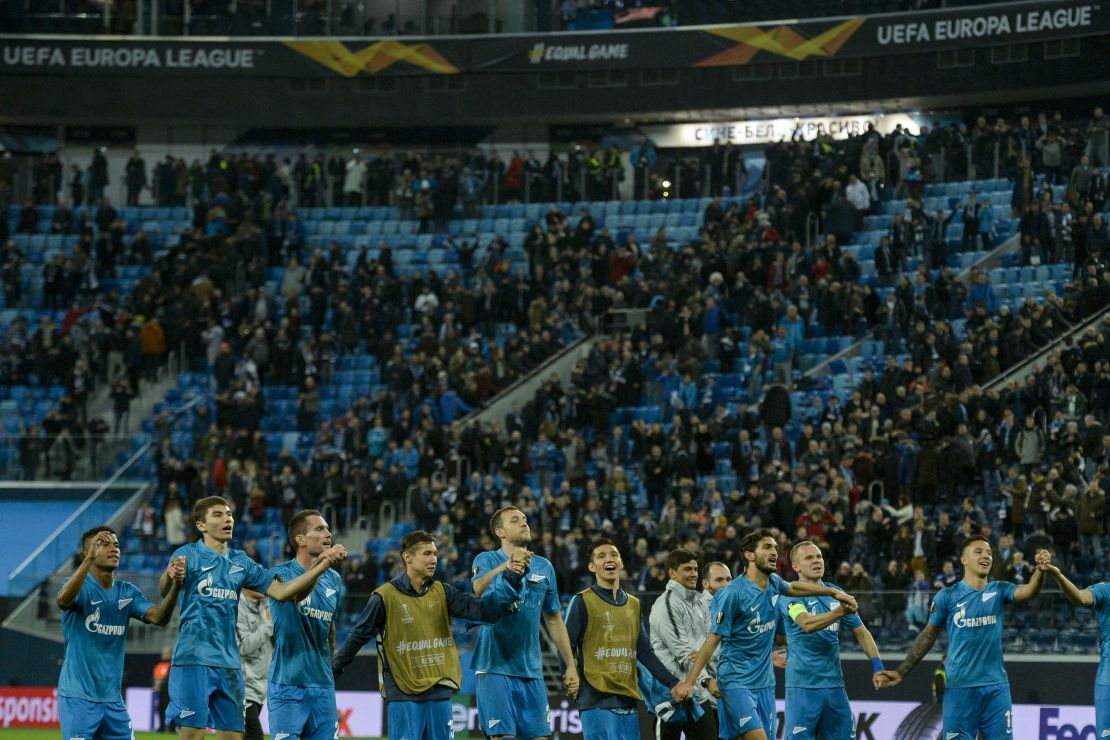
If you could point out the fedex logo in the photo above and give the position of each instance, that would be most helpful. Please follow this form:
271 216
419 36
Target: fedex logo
1049 730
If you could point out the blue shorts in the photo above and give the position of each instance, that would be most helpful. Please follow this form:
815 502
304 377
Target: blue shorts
609 724
1102 710
742 710
419 720
810 710
308 713
511 705
979 709
202 696
86 720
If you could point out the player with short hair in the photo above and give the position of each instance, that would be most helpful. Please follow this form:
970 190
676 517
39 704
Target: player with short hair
603 623
301 691
715 576
206 681
411 618
744 616
97 610
512 699
815 695
977 697
1098 598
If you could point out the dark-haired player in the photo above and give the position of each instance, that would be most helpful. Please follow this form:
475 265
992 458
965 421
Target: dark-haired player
977 697
512 700
206 681
603 623
411 618
743 617
301 691
97 609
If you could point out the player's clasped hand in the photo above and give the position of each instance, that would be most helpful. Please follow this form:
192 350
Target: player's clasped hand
681 691
334 554
176 570
848 601
887 679
570 682
1043 560
519 560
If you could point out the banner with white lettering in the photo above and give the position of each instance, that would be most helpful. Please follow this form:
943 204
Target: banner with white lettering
767 131
710 46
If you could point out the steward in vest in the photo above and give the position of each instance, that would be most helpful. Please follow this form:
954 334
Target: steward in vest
603 623
410 616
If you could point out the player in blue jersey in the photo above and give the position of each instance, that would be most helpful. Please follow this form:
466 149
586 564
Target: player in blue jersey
1097 597
815 697
977 698
96 612
744 615
512 700
418 662
301 692
206 681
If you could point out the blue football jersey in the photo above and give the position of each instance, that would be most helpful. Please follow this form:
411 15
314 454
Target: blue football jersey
745 616
1101 594
511 645
813 659
302 650
209 603
95 631
973 620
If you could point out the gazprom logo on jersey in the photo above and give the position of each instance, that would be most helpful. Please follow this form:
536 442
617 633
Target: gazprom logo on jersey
92 624
305 608
959 619
204 588
758 628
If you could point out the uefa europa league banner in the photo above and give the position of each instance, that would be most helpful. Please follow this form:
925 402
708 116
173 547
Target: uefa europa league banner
709 46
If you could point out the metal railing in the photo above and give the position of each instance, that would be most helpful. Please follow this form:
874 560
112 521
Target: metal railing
128 484
1036 361
62 457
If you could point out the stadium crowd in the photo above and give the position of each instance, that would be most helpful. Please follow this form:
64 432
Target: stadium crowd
1029 459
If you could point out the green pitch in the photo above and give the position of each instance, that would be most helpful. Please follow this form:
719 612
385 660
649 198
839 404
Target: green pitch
29 734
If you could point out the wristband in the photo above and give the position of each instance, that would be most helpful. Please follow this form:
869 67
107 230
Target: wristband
877 665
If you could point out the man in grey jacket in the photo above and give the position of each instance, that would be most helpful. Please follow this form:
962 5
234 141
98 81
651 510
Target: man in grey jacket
255 632
679 621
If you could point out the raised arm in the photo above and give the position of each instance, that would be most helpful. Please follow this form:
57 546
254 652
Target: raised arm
797 588
165 583
1075 596
300 586
920 648
482 582
810 623
72 587
1031 590
160 615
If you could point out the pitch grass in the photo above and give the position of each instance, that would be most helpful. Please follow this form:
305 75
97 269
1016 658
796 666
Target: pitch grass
24 733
